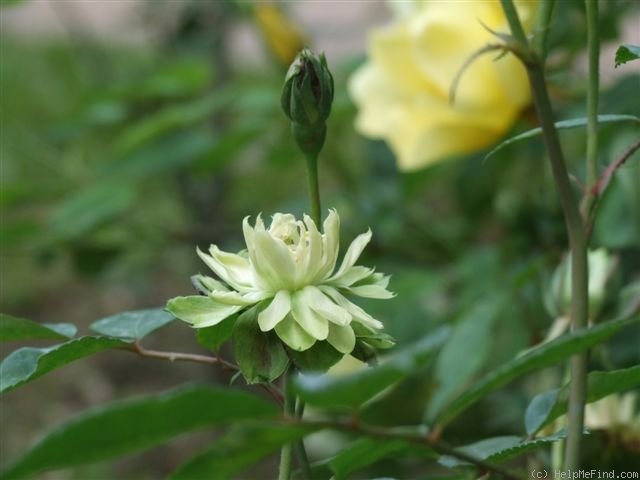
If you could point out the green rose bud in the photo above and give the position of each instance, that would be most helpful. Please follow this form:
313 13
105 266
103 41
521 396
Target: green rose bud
306 99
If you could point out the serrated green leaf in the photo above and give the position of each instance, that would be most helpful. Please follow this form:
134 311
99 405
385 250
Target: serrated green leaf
29 363
562 125
213 337
14 328
132 325
260 355
548 406
237 450
627 53
535 359
129 426
366 451
355 389
499 449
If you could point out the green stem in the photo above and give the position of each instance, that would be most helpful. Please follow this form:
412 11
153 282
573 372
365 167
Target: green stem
542 27
593 46
301 452
314 190
285 453
575 229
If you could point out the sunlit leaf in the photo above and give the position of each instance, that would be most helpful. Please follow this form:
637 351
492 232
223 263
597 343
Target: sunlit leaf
132 325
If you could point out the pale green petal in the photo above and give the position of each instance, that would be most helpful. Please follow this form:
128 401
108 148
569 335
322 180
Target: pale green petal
325 307
371 291
272 261
231 268
330 244
310 321
279 307
342 338
235 298
354 251
311 263
293 335
358 314
200 311
205 284
351 276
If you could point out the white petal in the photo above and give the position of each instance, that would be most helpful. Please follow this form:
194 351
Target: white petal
293 335
358 314
272 260
325 307
310 321
342 338
330 244
353 252
279 307
200 311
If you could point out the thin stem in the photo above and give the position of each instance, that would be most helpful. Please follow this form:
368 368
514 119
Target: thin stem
545 11
424 439
517 31
192 357
301 452
593 47
575 229
289 412
183 357
314 190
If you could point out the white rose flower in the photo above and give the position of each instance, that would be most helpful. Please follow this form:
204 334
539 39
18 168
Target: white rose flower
290 268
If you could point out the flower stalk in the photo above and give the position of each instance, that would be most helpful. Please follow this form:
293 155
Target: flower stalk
575 228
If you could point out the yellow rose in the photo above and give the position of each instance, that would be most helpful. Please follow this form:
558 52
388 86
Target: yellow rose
402 91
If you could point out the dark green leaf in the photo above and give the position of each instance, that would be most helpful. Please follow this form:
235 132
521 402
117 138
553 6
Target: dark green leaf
366 451
237 450
166 155
135 425
627 53
458 361
319 358
355 389
535 359
89 208
14 328
548 406
213 337
499 449
260 355
562 125
28 363
132 325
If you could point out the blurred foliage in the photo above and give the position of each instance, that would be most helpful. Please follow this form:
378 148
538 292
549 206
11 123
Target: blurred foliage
117 160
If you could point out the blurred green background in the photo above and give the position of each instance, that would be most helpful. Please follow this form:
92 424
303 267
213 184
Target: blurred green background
122 151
